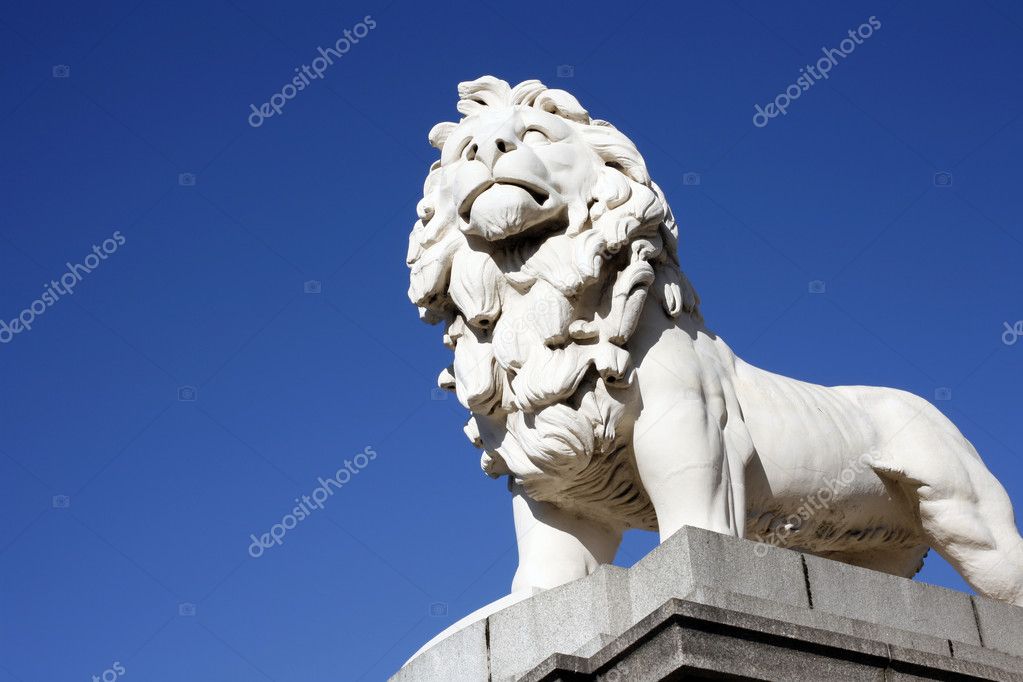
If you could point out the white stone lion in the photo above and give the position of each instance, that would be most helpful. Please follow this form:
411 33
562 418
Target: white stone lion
579 347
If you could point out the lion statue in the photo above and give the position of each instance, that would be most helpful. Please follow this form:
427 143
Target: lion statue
594 384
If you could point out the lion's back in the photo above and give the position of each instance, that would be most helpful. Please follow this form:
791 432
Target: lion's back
799 425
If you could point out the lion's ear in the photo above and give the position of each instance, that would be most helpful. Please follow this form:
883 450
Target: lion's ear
563 104
617 149
439 133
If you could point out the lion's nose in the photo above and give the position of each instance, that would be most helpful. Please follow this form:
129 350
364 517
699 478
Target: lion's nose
490 152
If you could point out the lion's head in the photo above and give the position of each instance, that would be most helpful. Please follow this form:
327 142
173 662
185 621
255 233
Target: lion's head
539 236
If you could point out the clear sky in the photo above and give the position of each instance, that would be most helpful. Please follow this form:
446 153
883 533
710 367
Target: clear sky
128 499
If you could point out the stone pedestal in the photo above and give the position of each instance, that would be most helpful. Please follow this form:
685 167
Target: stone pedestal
708 605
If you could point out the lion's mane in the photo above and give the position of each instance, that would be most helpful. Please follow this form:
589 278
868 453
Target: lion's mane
540 322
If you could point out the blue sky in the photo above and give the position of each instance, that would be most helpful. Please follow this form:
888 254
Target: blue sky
921 273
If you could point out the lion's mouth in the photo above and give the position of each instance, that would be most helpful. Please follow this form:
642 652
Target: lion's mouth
538 194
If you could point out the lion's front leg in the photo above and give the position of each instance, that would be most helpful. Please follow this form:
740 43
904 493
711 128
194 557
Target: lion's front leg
683 463
556 547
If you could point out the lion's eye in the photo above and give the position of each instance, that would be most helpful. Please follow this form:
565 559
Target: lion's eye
535 137
467 150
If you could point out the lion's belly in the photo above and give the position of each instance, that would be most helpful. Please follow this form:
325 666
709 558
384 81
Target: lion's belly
821 524
810 485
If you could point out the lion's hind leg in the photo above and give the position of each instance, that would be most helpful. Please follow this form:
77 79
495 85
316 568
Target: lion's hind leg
973 529
971 524
963 511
